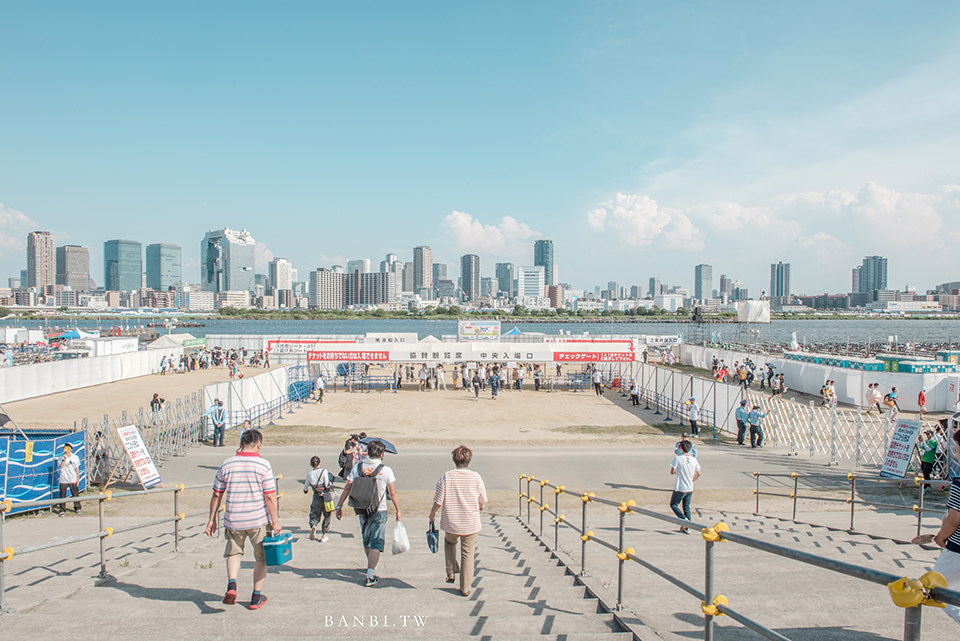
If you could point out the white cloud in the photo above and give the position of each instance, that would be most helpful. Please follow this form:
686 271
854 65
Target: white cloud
14 227
262 257
804 228
471 235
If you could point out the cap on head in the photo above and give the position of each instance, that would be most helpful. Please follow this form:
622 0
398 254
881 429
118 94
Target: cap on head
743 402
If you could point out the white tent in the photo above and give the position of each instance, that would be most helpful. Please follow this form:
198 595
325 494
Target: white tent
170 341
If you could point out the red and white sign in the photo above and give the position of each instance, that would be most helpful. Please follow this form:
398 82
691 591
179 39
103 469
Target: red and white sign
593 357
348 356
900 449
139 456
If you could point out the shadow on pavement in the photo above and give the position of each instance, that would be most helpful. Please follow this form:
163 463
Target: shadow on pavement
188 595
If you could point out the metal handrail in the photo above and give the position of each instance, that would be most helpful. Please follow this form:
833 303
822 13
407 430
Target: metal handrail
852 500
103 533
711 604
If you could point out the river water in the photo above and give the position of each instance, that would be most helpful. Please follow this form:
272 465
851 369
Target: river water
839 332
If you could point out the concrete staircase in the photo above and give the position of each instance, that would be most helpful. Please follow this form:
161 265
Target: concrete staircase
519 593
799 601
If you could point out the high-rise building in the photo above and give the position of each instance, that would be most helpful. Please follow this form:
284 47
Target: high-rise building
726 287
439 272
555 294
408 279
613 289
361 265
530 281
872 274
470 276
779 282
73 267
280 274
326 289
41 260
655 288
488 286
423 270
163 267
702 282
122 265
543 257
227 260
370 288
636 292
505 274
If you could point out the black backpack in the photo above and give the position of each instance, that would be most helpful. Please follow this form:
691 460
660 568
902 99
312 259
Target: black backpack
364 495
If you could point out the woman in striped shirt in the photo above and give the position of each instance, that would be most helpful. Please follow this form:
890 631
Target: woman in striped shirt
461 494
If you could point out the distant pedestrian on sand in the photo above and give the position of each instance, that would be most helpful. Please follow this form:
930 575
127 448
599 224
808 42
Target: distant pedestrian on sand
922 401
247 483
597 377
477 381
494 384
687 470
69 478
693 414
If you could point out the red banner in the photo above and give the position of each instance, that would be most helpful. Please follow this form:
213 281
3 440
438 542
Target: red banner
348 356
593 357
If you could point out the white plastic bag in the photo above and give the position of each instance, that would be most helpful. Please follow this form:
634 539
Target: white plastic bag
401 543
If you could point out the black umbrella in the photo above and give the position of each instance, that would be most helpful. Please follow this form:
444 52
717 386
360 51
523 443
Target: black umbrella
390 447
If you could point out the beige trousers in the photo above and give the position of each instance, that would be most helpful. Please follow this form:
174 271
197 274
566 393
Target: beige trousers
464 565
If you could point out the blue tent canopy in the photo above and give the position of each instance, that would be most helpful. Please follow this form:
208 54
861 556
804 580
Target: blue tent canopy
513 332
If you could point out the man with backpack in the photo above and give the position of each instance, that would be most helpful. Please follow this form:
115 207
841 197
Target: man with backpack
367 486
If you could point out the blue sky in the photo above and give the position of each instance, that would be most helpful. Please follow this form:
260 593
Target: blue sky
643 138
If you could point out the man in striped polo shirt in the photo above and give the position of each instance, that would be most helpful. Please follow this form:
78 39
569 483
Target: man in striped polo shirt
246 486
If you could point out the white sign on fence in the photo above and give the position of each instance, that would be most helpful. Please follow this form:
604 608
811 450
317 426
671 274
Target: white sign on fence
900 449
139 456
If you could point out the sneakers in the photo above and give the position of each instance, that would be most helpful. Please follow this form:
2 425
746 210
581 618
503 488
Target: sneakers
313 532
324 539
230 597
258 604
370 582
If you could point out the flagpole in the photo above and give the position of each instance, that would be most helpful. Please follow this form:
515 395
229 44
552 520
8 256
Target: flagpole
5 418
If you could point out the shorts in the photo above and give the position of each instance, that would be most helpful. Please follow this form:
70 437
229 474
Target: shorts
235 541
374 529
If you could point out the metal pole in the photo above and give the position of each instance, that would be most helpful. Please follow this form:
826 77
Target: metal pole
656 387
3 601
853 496
556 524
811 429
583 541
103 563
176 524
859 438
620 565
541 509
520 496
528 500
796 480
715 421
756 512
833 437
923 488
911 623
708 590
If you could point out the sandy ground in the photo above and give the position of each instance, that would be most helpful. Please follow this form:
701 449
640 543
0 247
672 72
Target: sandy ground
59 410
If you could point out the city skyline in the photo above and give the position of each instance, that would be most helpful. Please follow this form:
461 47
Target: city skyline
641 139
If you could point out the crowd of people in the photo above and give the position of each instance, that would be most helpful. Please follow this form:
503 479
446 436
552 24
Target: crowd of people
246 486
205 358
